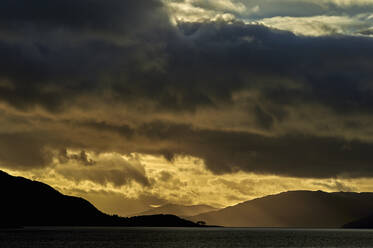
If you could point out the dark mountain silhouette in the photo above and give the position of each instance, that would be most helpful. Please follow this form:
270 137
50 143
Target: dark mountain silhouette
179 210
294 209
30 203
363 223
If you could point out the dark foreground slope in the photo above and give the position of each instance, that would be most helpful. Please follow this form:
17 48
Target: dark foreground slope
363 223
29 203
294 209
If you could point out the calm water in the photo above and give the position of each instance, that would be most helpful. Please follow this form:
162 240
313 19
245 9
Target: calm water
182 238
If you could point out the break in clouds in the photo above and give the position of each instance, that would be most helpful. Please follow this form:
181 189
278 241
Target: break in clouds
229 82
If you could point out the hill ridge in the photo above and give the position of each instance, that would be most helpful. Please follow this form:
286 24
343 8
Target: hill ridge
26 202
298 208
179 210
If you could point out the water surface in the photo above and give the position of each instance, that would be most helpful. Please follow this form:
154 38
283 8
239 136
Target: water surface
182 237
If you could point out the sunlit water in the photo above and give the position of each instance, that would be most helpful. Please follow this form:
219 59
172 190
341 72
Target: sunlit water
182 238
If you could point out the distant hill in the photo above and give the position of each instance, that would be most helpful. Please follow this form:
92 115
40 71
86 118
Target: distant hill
363 223
29 203
294 209
179 210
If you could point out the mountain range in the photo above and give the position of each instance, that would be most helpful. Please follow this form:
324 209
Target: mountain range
179 210
31 203
294 209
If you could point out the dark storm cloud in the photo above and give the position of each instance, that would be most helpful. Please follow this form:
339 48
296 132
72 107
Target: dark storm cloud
123 130
20 150
81 157
333 70
83 15
290 155
52 52
127 53
264 119
173 71
296 154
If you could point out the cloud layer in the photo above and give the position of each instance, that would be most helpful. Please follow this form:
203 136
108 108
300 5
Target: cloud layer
229 82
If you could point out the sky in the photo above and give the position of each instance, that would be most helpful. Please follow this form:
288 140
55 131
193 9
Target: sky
133 104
